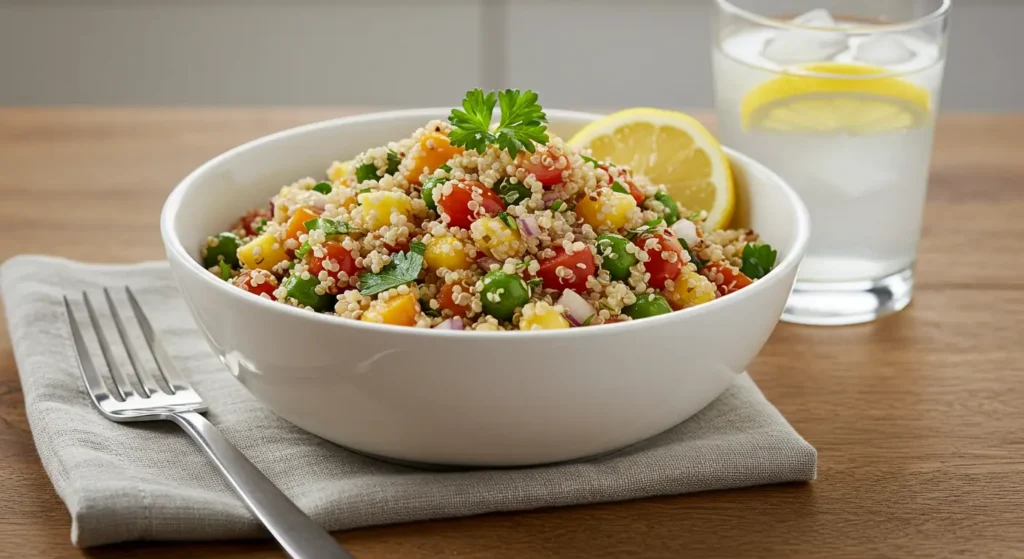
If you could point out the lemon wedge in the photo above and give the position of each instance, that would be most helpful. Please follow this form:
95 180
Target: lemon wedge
669 148
852 101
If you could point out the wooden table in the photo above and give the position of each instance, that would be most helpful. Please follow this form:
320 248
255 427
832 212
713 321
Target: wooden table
919 418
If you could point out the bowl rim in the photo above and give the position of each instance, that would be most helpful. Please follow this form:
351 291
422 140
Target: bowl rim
175 248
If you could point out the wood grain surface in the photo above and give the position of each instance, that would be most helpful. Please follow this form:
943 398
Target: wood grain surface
918 418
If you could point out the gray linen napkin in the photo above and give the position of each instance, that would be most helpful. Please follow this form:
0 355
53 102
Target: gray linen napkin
150 482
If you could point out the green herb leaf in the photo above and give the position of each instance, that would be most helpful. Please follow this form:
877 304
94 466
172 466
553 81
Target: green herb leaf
404 268
393 161
758 260
446 168
693 256
588 320
507 220
323 188
556 206
535 284
328 226
693 216
425 305
303 250
521 125
590 160
225 270
365 190
645 228
368 171
262 226
617 187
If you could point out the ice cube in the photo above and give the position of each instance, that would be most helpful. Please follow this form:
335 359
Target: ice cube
795 46
815 18
884 50
804 45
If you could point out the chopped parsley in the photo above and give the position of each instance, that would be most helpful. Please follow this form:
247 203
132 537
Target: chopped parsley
425 305
225 270
404 268
507 220
693 256
617 187
368 171
521 125
446 168
590 160
263 225
588 320
758 260
534 284
323 188
328 226
645 228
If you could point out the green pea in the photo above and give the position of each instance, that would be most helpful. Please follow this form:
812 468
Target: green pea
647 304
503 293
303 291
671 208
428 190
225 250
615 258
512 192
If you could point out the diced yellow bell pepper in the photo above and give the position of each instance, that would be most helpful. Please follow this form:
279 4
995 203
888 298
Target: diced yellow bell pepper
339 170
497 239
609 211
377 207
691 289
446 252
263 252
400 311
542 316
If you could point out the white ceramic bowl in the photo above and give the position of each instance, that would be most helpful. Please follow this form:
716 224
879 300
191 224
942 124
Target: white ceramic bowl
466 398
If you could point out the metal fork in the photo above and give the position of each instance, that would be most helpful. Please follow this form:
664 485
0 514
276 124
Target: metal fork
300 537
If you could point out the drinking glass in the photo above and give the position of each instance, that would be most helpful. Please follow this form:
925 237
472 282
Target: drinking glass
839 97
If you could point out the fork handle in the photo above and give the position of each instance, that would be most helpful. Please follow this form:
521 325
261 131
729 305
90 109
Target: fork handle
300 537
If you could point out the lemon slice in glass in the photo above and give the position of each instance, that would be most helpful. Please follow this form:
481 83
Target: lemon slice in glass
836 97
669 148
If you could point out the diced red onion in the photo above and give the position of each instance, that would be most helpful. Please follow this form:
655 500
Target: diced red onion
686 230
551 196
485 262
450 324
577 309
528 226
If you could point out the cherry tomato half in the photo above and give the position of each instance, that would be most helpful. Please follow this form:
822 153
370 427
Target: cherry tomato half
455 204
660 267
344 258
248 279
548 175
581 263
446 301
725 277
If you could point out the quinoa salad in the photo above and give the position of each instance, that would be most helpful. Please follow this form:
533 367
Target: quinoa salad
471 225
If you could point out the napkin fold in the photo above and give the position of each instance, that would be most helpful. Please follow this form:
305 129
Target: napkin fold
149 481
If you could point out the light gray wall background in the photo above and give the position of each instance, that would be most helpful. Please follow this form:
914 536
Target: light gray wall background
396 53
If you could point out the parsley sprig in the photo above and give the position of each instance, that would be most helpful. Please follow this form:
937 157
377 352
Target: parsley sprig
758 260
521 125
404 268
